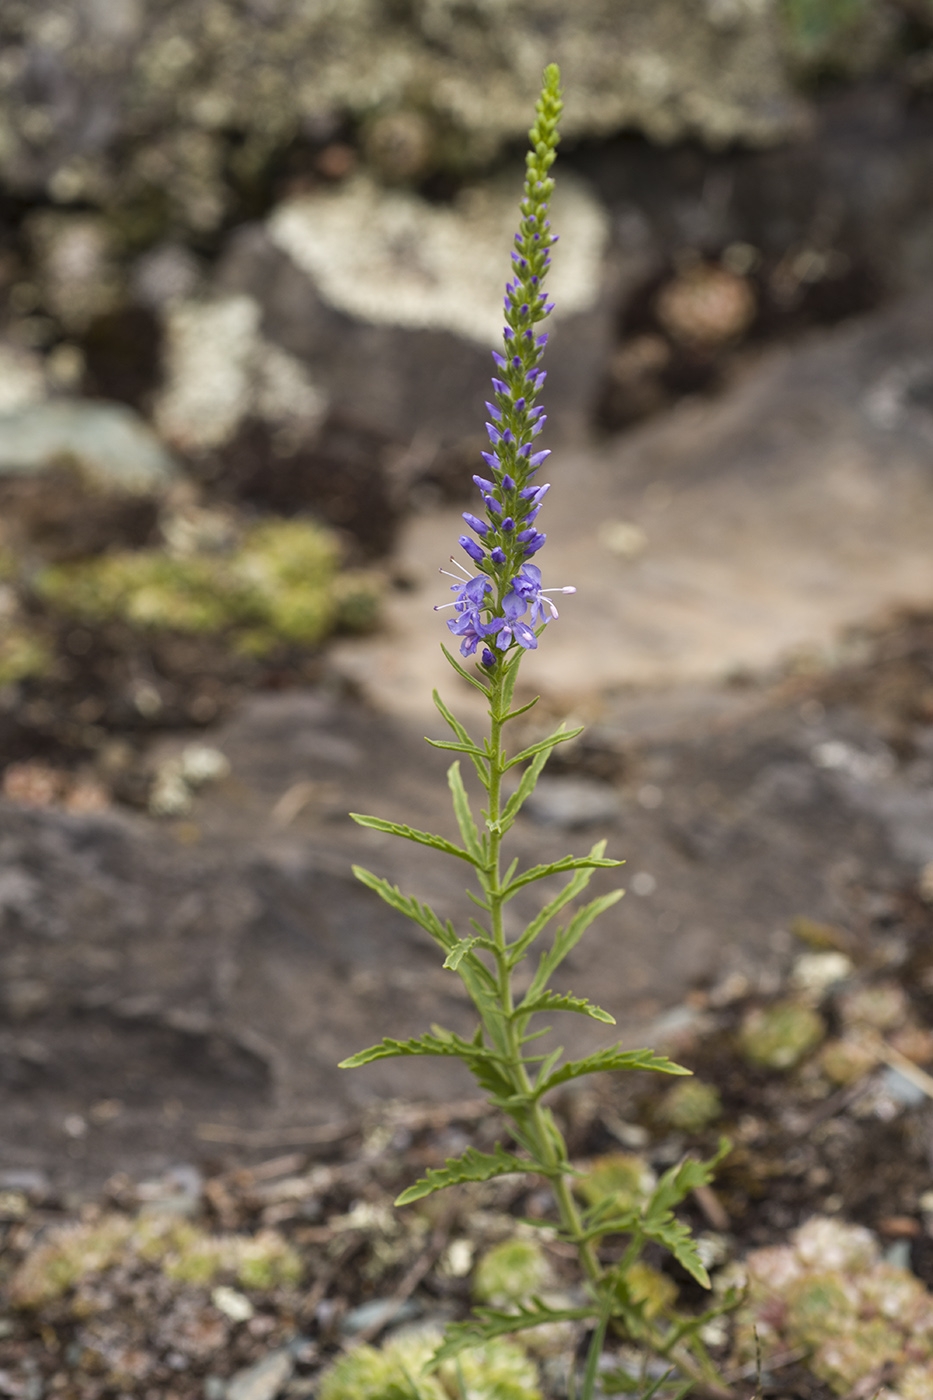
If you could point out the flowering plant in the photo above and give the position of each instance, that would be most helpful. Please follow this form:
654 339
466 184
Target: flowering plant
502 607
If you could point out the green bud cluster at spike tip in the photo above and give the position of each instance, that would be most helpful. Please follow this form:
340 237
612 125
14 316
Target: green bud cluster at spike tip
504 601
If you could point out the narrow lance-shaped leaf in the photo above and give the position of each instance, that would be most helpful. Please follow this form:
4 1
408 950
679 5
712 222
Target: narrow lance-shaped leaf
410 833
473 680
560 736
526 787
472 1166
463 814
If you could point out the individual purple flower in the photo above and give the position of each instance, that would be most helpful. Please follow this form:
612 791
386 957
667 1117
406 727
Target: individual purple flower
469 629
511 625
527 584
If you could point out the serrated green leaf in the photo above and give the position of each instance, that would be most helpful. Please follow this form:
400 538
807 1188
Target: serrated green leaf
563 1001
488 1323
470 749
456 955
612 1058
410 833
557 867
465 822
678 1181
441 1042
472 1166
574 886
465 739
658 1222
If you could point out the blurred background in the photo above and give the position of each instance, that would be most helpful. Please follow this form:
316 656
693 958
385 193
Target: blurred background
251 256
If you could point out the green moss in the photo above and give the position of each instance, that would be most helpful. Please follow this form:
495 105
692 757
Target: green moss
266 1261
620 1176
780 1036
65 1256
511 1273
22 655
497 1371
654 1291
281 585
691 1105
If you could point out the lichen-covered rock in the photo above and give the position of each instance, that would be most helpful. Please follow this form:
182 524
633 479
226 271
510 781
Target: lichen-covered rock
219 371
132 106
392 303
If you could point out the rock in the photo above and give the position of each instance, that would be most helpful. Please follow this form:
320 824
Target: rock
22 379
572 802
792 506
264 1379
107 442
75 258
107 103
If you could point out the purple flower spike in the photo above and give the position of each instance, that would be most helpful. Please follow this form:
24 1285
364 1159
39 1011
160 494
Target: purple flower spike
504 543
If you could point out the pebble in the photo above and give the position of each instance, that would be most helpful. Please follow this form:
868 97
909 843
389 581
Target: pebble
264 1379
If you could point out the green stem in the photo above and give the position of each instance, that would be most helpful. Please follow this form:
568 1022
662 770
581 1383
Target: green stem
548 1144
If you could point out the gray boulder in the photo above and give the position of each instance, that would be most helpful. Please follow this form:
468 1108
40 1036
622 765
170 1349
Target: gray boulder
109 444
